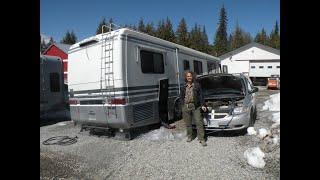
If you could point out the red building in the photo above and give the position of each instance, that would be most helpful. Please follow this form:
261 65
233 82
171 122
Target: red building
60 50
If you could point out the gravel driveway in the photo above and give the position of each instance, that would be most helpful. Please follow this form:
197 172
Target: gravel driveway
158 154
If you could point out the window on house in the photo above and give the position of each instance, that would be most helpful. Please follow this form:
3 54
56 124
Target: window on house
151 62
253 67
269 67
54 82
197 67
186 65
260 67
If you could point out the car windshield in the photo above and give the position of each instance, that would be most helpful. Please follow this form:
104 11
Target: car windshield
218 85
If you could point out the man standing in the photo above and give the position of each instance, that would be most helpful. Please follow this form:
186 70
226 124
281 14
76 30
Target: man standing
192 101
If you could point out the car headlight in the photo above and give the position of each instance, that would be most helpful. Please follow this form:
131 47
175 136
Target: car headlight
240 109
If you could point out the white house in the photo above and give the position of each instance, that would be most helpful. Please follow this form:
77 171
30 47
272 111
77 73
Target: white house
256 60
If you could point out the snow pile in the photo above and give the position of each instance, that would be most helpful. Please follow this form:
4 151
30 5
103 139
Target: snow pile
276 117
61 124
273 104
262 133
275 140
162 134
251 131
254 157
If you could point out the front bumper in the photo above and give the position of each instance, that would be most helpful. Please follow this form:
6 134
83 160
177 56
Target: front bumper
230 122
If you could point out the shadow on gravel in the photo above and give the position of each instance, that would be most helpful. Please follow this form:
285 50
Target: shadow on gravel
47 122
226 133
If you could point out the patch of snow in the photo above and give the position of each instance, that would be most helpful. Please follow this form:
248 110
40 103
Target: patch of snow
162 134
251 131
61 124
262 133
275 140
276 117
273 104
254 157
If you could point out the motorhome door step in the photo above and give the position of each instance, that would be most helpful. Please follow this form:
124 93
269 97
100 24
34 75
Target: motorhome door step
109 73
109 62
108 49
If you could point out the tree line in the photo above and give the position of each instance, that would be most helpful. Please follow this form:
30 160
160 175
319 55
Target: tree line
197 37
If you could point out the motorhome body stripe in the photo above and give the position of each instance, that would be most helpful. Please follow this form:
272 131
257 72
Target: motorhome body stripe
136 99
132 88
123 94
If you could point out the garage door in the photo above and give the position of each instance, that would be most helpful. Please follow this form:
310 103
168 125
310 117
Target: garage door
264 69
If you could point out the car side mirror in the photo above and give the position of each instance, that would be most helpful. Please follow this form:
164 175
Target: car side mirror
254 89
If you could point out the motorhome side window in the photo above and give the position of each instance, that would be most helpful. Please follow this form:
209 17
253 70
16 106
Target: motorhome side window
186 65
151 62
54 82
197 67
211 67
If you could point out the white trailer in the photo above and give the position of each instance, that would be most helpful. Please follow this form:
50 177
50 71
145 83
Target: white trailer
125 79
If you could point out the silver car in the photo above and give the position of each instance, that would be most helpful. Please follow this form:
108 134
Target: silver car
230 100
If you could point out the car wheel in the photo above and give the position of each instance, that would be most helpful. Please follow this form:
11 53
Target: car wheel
255 114
251 123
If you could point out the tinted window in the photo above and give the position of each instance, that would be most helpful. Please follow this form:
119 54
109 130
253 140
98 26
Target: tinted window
212 67
186 65
217 85
269 67
151 62
197 67
225 69
54 82
261 67
252 67
278 66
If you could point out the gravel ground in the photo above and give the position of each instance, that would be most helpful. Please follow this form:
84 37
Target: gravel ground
94 157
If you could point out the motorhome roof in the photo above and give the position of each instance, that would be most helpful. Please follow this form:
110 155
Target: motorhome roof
127 31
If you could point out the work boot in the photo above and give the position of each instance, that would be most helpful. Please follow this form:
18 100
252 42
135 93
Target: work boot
203 143
189 139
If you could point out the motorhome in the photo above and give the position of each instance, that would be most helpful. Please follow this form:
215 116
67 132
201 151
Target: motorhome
125 79
53 91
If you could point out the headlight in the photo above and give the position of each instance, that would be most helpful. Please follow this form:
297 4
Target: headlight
239 110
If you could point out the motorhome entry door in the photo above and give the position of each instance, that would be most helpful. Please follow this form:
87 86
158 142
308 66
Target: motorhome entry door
163 100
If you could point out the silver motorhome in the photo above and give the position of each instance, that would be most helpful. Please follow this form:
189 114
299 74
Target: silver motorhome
124 79
53 91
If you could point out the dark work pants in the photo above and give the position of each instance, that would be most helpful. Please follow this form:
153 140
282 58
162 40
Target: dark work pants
189 113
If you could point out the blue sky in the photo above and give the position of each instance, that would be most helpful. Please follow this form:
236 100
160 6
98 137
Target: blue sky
83 16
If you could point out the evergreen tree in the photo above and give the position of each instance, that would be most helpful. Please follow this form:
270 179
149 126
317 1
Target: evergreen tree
141 26
182 34
43 46
102 23
230 39
168 31
69 38
261 37
160 29
238 39
275 37
205 42
196 41
221 42
150 29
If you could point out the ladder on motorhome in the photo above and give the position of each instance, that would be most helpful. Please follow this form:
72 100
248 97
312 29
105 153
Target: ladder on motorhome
107 72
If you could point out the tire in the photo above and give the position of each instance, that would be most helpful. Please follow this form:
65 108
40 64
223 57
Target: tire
251 123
